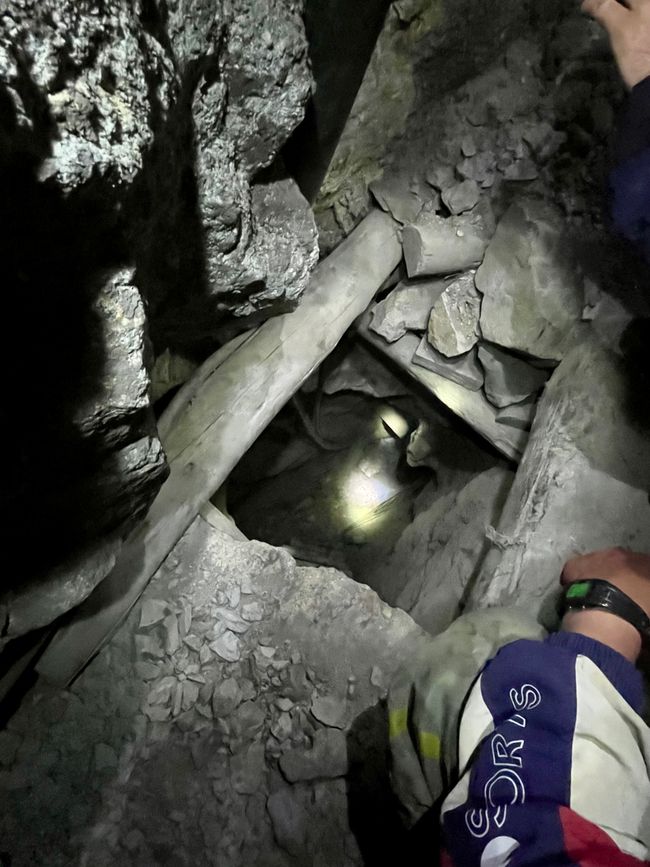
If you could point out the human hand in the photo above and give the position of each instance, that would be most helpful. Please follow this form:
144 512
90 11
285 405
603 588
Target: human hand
628 571
629 31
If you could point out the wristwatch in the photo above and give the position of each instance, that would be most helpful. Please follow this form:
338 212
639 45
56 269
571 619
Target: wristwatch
595 593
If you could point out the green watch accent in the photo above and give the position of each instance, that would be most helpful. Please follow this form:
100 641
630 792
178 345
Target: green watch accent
597 593
579 590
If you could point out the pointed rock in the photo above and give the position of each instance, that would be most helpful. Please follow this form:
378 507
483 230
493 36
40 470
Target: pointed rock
508 379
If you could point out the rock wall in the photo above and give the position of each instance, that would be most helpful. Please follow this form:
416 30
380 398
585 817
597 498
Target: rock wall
427 48
142 203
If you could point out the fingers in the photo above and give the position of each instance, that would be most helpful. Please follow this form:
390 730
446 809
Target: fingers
609 13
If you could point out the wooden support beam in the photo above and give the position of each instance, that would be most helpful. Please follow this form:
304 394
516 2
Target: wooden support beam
222 417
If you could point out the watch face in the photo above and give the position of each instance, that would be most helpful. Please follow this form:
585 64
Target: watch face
579 590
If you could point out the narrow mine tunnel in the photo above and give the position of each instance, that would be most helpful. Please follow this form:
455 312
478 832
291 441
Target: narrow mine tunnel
324 357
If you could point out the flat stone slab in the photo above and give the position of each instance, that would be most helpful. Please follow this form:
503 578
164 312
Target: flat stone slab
464 369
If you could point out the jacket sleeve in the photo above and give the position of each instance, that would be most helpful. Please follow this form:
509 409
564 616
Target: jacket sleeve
629 180
554 760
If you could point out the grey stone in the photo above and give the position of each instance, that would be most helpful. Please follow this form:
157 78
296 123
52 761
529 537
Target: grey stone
479 169
9 743
436 245
248 770
282 727
161 692
508 379
227 647
464 369
172 637
453 324
400 196
442 177
519 415
406 308
152 612
226 697
190 695
147 670
149 645
330 710
327 759
462 196
533 293
249 719
521 170
252 611
443 548
105 758
224 617
193 642
290 820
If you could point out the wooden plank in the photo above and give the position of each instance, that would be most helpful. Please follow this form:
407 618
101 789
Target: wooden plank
224 416
472 406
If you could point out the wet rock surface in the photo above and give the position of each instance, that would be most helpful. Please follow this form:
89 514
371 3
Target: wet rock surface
164 748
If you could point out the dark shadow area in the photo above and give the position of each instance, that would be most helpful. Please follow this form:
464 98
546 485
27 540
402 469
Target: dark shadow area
373 810
55 251
340 47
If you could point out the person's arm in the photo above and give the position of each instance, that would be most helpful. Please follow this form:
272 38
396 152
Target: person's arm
628 27
554 754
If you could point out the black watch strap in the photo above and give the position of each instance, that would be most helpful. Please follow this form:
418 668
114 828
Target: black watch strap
595 593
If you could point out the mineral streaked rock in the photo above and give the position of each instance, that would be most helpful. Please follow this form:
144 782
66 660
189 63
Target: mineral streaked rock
406 308
464 369
533 292
508 379
436 245
581 486
453 324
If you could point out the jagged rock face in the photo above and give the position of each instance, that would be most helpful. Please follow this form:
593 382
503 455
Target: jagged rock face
132 137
